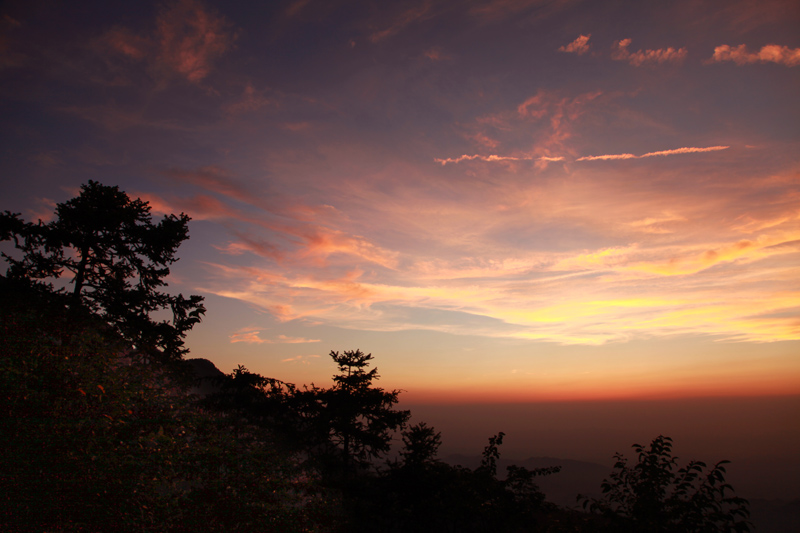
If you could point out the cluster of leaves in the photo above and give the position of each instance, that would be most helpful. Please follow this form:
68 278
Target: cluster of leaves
116 259
655 495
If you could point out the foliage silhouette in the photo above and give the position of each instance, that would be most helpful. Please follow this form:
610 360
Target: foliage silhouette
422 494
420 445
117 259
655 495
355 418
95 440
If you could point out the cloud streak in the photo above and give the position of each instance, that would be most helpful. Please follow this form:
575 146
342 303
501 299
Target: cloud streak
606 157
644 57
496 158
251 335
675 151
771 53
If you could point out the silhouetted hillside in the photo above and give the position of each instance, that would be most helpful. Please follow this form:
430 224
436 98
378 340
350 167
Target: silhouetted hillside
206 377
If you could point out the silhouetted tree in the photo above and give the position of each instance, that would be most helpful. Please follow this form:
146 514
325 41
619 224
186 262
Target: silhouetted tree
654 495
420 445
117 259
354 416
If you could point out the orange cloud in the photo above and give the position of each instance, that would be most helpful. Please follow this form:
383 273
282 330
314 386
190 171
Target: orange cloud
495 158
641 57
579 46
247 335
676 151
607 157
772 53
299 359
250 335
685 150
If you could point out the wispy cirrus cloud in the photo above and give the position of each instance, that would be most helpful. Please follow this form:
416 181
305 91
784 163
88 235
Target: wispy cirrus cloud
579 46
251 335
496 158
304 359
297 233
247 335
643 57
606 157
675 151
771 53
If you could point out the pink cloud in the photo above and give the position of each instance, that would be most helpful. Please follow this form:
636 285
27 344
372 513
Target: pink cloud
536 106
641 57
321 242
482 139
199 207
252 245
45 210
214 179
563 112
579 46
306 241
772 53
191 38
187 40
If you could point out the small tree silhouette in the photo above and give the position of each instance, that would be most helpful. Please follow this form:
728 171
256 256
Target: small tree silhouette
654 495
355 416
420 445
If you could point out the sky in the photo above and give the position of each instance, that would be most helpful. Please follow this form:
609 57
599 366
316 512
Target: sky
501 200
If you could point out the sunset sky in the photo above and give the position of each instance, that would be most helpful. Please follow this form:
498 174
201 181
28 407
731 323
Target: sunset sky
502 200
